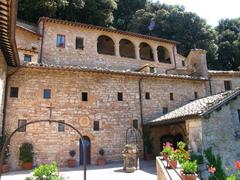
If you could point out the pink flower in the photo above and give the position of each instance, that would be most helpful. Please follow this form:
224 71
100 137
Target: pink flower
169 144
211 169
237 165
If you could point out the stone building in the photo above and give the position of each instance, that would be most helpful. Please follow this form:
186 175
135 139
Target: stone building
102 81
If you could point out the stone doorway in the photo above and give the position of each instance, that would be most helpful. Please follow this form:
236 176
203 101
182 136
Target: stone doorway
87 142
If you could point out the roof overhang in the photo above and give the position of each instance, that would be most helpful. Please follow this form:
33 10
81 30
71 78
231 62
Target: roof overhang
7 31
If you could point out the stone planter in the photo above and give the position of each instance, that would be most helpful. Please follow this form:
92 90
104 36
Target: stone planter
130 158
173 164
188 176
4 168
101 161
71 163
27 165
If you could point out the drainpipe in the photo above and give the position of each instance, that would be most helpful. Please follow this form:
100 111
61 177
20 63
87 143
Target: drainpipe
174 59
43 32
5 100
210 85
140 99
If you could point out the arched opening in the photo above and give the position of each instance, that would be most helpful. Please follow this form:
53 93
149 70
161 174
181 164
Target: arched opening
105 45
8 140
172 139
146 52
163 55
126 48
87 143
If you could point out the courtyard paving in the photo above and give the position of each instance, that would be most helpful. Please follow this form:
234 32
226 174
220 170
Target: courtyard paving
109 172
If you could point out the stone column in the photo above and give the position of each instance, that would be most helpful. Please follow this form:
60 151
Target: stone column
117 53
137 53
155 54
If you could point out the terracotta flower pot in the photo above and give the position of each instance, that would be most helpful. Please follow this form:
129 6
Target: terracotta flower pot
165 156
71 163
27 165
188 176
101 161
172 164
4 168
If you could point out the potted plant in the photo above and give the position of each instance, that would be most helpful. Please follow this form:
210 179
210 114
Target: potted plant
26 156
4 168
101 160
173 159
167 150
148 147
181 153
189 170
72 162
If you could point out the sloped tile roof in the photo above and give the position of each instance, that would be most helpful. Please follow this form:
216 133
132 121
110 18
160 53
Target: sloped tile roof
234 73
198 107
110 71
28 27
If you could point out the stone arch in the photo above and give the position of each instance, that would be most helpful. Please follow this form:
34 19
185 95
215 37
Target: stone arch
163 55
105 45
8 140
126 48
146 52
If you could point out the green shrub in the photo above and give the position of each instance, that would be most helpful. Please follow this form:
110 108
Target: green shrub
189 167
215 161
26 152
46 172
198 158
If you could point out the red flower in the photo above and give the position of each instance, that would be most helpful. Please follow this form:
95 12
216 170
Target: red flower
237 165
211 169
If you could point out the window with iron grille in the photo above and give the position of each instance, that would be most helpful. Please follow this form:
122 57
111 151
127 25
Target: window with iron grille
79 43
147 95
171 96
14 92
27 58
61 126
120 96
96 125
21 123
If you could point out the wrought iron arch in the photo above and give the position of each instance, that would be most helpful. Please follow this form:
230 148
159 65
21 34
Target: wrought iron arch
49 121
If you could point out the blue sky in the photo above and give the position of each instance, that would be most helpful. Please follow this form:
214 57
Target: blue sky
211 10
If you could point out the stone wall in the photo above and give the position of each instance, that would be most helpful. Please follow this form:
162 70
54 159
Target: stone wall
28 43
114 116
89 56
217 82
221 131
3 74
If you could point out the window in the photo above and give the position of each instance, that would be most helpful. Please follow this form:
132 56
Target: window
79 43
96 125
196 95
61 126
239 115
120 96
152 69
183 63
22 123
227 85
84 96
171 96
147 95
135 123
14 92
47 93
165 110
61 41
27 58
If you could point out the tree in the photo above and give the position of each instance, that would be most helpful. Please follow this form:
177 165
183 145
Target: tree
173 22
229 44
98 12
126 9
